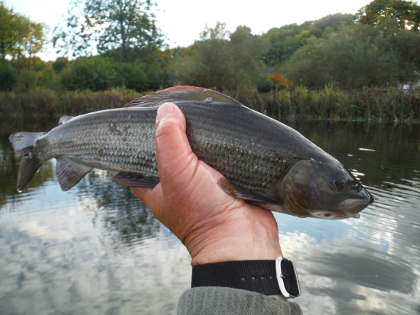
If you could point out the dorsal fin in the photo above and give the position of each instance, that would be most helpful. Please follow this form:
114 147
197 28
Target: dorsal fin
64 119
182 93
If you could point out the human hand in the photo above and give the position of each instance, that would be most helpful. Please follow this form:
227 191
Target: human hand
214 226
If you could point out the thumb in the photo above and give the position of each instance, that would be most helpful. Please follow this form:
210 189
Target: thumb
175 159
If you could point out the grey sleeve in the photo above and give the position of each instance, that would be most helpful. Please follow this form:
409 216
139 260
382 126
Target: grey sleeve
222 301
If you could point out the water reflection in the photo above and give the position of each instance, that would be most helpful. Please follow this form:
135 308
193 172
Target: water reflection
116 211
96 249
8 174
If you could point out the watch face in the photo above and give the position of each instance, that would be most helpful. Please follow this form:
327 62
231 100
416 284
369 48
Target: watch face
289 278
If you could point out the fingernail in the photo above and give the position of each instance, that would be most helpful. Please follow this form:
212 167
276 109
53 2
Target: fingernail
164 111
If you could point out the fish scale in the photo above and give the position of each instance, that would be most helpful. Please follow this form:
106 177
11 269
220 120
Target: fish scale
261 158
96 140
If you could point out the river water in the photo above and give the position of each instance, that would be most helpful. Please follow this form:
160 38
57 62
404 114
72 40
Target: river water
97 250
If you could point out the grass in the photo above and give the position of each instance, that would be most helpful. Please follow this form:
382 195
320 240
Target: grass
46 106
299 103
368 104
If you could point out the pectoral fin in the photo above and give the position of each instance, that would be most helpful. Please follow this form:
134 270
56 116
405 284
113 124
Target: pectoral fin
135 180
69 173
237 193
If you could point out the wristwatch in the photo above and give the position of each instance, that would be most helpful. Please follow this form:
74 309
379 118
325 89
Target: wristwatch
269 277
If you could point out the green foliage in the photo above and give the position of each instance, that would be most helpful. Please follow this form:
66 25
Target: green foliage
406 14
218 62
367 104
283 42
94 73
359 56
145 69
206 62
48 79
60 63
292 71
103 25
265 84
7 76
46 106
30 63
79 102
26 80
132 76
30 105
246 51
19 36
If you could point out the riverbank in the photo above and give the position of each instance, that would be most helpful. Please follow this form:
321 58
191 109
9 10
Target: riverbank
368 104
389 105
46 106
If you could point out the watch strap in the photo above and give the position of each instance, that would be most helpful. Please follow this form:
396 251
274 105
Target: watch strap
251 275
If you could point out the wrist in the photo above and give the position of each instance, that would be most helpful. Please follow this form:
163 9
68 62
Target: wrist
231 249
245 241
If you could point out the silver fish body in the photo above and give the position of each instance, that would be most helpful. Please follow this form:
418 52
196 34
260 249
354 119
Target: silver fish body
264 161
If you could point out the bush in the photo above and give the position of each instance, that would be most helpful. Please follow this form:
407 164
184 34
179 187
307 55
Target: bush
265 84
216 62
49 79
356 57
94 73
26 80
7 76
59 64
132 76
80 102
46 106
367 104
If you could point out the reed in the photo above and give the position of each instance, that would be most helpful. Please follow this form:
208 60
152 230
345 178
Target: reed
367 104
46 106
299 103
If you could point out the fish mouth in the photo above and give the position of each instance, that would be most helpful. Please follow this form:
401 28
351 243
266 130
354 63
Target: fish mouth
352 206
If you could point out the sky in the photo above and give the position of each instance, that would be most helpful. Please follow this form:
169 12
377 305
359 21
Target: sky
182 21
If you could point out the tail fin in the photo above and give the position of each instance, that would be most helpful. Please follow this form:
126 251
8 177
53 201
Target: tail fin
23 140
23 144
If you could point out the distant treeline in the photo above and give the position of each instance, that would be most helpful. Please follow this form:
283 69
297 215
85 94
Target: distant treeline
339 67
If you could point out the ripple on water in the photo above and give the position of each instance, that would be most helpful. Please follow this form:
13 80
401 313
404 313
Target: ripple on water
96 249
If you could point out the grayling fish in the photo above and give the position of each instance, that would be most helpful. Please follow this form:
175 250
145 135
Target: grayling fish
264 161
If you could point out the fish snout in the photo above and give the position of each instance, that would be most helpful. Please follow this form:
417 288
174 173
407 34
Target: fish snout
371 198
356 203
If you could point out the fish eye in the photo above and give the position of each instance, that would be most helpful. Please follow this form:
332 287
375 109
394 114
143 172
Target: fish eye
357 186
327 214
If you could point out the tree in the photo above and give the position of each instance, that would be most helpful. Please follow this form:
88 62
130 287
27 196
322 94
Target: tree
94 73
355 57
7 76
19 36
221 60
103 25
284 41
405 13
59 64
246 52
206 62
